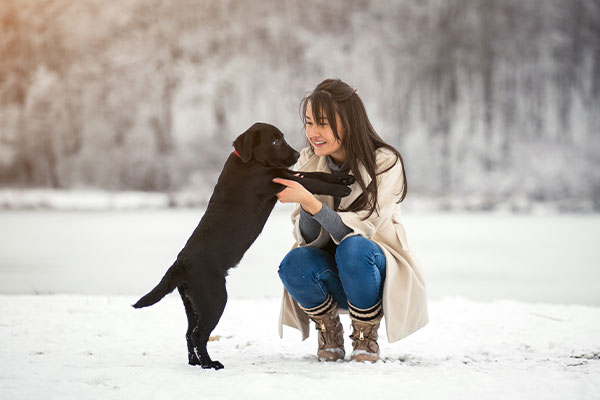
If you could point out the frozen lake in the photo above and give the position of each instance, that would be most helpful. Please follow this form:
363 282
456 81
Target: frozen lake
550 259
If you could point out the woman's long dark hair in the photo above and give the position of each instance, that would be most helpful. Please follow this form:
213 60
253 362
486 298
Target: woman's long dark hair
360 139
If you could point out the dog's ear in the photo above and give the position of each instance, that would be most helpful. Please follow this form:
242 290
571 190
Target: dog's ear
244 143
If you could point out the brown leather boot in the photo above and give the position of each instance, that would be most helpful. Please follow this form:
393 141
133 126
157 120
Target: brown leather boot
365 323
331 332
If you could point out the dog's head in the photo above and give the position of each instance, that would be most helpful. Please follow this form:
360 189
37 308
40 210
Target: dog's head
265 144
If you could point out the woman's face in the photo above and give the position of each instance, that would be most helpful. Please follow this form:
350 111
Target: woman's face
320 135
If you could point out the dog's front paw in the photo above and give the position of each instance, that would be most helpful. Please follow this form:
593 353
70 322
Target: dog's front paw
341 191
213 364
346 179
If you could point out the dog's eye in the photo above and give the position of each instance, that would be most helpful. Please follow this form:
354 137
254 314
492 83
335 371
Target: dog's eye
276 142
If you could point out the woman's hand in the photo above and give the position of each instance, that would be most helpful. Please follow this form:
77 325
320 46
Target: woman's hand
296 193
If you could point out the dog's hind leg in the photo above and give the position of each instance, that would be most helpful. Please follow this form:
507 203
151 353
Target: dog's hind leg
192 318
209 300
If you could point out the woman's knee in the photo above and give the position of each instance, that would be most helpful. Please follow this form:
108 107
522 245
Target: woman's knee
352 250
355 254
295 266
292 260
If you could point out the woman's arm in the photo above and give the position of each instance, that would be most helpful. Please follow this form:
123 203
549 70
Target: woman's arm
332 223
312 208
309 227
296 193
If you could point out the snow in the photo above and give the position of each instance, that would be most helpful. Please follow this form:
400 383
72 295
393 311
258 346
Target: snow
97 200
514 310
197 195
551 258
90 347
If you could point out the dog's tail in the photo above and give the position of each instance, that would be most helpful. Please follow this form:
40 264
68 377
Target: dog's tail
167 284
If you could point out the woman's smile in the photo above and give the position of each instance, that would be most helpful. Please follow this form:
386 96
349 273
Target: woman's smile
321 137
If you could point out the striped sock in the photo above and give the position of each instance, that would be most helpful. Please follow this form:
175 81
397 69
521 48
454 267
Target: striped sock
321 309
366 315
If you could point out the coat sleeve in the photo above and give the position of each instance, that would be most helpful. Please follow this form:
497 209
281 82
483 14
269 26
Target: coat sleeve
389 190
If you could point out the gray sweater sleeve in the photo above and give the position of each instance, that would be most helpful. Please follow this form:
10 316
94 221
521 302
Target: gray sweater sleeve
310 225
332 222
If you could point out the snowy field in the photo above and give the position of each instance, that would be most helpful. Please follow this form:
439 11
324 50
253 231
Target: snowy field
97 347
515 313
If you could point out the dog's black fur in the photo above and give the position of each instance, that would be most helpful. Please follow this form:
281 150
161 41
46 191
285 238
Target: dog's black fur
237 211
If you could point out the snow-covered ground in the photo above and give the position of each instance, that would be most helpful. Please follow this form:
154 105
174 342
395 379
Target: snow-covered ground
515 313
97 347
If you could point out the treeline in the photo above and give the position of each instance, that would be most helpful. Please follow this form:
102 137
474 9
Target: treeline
497 98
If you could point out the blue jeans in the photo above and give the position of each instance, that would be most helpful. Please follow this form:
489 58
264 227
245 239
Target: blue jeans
356 274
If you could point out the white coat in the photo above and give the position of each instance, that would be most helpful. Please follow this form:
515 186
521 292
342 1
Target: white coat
404 296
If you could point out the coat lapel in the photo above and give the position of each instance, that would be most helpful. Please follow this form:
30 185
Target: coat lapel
355 187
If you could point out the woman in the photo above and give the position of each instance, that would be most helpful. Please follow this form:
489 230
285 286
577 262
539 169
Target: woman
350 253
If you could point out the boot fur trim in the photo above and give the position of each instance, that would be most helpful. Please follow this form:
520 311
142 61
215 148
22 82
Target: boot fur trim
366 315
321 309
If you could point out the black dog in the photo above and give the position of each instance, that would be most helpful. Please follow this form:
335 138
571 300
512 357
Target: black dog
237 211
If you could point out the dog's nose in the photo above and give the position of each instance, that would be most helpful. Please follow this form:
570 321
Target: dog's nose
295 156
